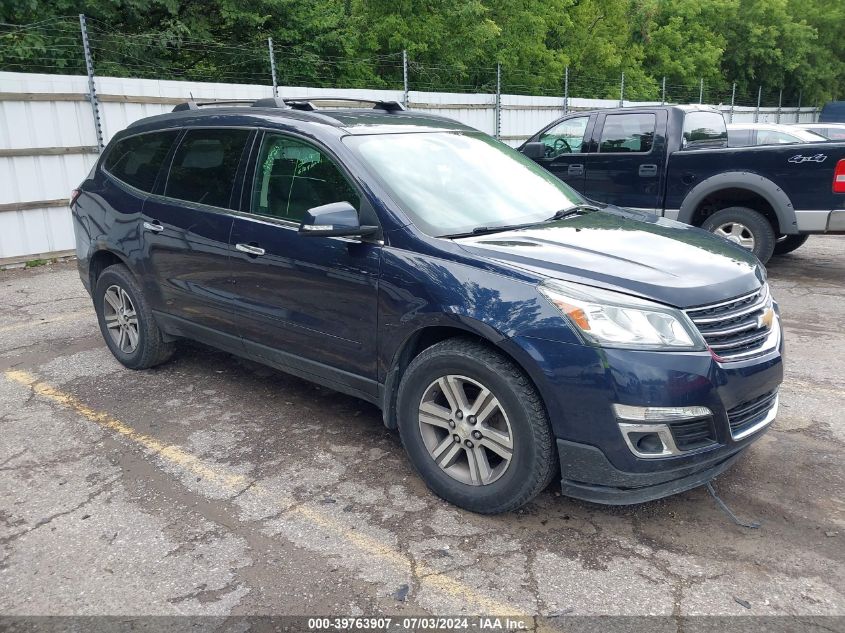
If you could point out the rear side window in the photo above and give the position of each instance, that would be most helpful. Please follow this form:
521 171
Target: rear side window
292 177
137 159
628 133
205 165
705 128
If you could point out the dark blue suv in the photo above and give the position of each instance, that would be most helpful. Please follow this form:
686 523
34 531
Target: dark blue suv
508 328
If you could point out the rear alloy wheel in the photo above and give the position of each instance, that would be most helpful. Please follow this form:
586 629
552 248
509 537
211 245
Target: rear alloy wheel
121 319
126 321
745 227
788 243
475 428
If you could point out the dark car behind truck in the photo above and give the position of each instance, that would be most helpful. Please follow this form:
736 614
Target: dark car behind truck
674 161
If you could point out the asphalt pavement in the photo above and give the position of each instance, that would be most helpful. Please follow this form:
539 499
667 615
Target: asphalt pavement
215 486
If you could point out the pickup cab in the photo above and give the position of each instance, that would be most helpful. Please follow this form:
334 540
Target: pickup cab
674 161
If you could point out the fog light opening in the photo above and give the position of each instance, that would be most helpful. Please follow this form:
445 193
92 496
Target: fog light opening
650 443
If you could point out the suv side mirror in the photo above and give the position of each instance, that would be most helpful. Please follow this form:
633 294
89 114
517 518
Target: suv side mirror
338 219
534 150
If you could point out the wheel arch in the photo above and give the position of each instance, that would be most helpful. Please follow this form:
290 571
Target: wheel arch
740 188
100 260
430 334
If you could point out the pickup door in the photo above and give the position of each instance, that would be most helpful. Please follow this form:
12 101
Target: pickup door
627 168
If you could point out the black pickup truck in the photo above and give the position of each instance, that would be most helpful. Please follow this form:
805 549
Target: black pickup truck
674 161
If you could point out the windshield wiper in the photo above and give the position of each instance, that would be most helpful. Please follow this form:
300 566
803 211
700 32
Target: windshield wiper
578 209
482 230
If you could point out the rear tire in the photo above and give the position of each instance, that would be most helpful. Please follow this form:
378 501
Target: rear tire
746 227
493 457
126 321
788 243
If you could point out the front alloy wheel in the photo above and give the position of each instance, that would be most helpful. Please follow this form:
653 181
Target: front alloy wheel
465 429
475 427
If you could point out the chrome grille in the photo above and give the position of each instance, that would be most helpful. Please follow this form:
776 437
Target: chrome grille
747 415
735 329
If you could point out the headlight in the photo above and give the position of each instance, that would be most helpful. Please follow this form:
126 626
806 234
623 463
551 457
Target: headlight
612 319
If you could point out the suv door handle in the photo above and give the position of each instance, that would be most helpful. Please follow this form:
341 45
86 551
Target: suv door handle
250 249
154 226
648 171
575 170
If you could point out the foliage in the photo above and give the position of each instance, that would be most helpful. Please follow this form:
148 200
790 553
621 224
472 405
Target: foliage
795 45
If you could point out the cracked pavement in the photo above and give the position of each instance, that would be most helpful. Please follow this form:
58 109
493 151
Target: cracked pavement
215 486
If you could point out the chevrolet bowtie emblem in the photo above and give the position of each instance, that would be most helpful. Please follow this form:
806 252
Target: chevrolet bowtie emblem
766 319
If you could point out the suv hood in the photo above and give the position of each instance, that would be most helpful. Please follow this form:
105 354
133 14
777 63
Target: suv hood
629 252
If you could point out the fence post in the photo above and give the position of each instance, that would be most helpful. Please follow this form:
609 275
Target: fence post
405 77
757 110
798 111
273 66
566 90
622 92
498 99
663 91
780 101
92 91
733 100
701 91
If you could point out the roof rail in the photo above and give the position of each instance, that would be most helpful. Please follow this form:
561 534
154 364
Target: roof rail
307 103
297 103
271 102
196 105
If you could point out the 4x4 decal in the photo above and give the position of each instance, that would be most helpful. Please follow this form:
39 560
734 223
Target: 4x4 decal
815 158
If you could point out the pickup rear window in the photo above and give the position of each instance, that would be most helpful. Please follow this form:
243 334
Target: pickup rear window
705 129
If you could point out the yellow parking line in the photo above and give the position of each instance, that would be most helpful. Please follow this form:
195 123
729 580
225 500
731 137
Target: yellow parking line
68 316
212 472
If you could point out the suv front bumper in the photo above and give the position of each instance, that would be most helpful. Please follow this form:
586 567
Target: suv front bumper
581 384
587 474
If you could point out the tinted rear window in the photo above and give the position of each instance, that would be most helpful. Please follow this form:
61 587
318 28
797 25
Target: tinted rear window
627 133
137 159
705 128
205 165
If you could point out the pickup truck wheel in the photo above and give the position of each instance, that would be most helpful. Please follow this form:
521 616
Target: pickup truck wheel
126 320
474 427
788 243
746 227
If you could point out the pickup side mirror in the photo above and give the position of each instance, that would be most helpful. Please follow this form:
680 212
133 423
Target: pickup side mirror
534 150
338 219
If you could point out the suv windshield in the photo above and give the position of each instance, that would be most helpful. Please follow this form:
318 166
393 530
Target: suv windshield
450 183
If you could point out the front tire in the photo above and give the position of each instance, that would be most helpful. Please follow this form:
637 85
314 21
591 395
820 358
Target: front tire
475 428
126 321
746 227
788 243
